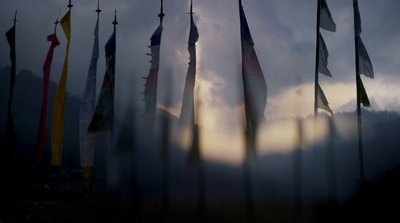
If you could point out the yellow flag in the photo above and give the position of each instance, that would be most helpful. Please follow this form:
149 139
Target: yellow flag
57 128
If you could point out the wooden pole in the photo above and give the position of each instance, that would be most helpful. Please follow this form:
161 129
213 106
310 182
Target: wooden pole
316 63
316 71
358 80
56 22
249 148
330 162
297 171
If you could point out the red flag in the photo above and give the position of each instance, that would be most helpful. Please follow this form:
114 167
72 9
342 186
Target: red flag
42 135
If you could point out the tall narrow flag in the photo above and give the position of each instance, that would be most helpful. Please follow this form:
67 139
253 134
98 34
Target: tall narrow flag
103 118
325 21
10 135
150 89
57 128
186 119
187 110
363 62
88 105
363 66
254 85
42 135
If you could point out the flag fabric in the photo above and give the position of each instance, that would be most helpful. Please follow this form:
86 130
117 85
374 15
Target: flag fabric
322 102
364 63
88 104
363 95
150 89
187 110
42 135
57 128
357 18
254 85
323 57
187 116
326 21
10 135
103 118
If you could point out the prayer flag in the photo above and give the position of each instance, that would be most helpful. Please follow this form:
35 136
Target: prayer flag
88 105
187 110
103 117
150 89
42 136
364 63
326 21
322 102
10 135
254 85
363 95
323 57
57 129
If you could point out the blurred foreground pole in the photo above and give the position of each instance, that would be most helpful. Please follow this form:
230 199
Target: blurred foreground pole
297 169
330 162
363 66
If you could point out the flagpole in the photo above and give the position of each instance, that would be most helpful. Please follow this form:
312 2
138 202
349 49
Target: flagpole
201 177
316 67
358 80
246 164
161 15
10 122
297 169
195 131
15 18
91 178
56 22
98 10
164 149
330 163
316 89
6 158
115 23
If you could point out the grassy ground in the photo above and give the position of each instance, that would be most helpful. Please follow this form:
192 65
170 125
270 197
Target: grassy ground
74 206
377 201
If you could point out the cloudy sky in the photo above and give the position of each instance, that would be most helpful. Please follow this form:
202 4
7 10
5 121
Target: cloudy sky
283 32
